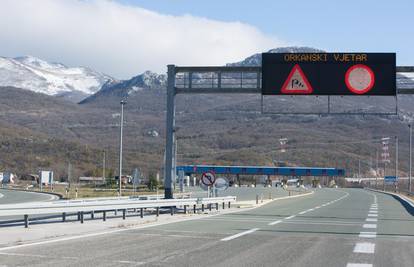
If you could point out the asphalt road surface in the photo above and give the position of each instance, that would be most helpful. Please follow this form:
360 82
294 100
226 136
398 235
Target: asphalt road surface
14 196
333 227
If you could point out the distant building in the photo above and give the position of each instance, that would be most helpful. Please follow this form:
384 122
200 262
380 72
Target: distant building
7 178
91 180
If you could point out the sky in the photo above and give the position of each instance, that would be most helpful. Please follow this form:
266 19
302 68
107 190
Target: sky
126 37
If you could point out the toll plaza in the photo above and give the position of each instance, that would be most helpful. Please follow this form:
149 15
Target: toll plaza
262 170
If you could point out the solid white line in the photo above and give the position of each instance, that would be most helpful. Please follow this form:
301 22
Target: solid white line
371 220
364 247
290 217
372 215
240 234
303 212
275 222
358 265
371 226
368 234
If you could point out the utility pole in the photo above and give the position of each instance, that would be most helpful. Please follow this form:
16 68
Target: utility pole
104 166
396 159
123 102
410 158
376 170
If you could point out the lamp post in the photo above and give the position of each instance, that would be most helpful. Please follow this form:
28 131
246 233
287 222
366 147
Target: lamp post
410 158
123 102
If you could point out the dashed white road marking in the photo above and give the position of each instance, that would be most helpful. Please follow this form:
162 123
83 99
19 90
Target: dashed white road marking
368 225
303 212
365 247
372 215
275 222
371 220
240 234
373 211
358 265
290 217
368 234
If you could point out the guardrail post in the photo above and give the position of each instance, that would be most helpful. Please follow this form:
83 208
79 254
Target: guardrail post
81 216
194 208
257 199
209 207
142 213
224 205
202 207
115 212
104 215
64 217
261 198
229 204
216 206
158 211
26 221
172 211
270 195
185 209
92 215
123 214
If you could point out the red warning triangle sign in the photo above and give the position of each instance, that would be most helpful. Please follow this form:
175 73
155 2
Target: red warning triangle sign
296 82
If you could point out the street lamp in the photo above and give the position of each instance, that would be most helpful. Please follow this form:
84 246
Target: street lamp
410 158
123 102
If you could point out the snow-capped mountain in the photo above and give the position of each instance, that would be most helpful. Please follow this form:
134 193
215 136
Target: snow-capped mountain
54 79
126 88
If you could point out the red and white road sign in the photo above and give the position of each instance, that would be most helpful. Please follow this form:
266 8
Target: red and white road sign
359 79
208 178
296 82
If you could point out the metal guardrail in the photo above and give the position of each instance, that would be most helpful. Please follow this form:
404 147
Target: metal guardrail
82 206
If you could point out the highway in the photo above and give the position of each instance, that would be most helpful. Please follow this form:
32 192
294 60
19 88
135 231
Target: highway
332 227
14 196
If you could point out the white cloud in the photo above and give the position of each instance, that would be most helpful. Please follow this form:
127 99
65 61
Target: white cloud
121 40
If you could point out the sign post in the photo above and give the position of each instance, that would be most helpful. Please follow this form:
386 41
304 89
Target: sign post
329 74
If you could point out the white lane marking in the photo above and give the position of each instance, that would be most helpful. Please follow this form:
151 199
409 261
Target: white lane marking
372 215
318 207
358 265
364 247
290 217
275 222
240 234
1 195
303 212
310 210
368 234
138 227
371 220
319 223
373 211
136 263
371 226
